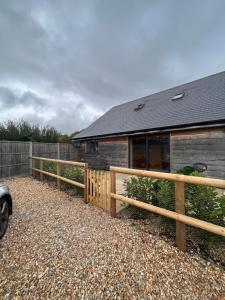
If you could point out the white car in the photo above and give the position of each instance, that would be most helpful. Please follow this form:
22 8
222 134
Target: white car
5 208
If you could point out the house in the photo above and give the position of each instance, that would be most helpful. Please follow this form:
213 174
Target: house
180 126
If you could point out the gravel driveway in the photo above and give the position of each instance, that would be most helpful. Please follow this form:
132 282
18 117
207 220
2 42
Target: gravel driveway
59 248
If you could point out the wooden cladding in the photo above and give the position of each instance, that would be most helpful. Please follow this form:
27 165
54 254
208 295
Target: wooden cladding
199 131
123 139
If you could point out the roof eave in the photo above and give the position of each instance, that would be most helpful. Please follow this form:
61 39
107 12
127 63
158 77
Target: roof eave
217 123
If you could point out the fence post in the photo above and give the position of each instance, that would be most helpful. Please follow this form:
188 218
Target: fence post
86 191
180 208
58 173
41 168
113 190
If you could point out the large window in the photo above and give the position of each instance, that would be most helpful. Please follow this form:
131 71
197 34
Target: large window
150 152
139 153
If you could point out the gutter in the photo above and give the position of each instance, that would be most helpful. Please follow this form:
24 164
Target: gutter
153 131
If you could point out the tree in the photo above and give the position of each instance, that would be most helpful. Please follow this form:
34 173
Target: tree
24 131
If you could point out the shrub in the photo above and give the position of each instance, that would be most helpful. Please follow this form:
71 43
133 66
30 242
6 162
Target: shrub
141 188
69 172
201 202
50 167
73 173
166 199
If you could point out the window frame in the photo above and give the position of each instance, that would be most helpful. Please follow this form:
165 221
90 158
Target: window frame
147 142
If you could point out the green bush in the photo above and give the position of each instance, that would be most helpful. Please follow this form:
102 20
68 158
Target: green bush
49 167
73 173
166 199
69 172
141 188
201 202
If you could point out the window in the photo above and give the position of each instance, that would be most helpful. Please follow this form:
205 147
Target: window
139 107
178 96
139 152
92 147
159 152
150 152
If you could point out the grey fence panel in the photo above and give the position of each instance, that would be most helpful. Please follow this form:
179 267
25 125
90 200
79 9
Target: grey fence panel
15 156
48 150
68 152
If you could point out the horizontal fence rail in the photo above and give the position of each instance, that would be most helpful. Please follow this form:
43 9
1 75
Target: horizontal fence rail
219 183
59 178
179 216
60 161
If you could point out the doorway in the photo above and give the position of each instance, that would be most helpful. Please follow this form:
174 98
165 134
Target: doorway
150 152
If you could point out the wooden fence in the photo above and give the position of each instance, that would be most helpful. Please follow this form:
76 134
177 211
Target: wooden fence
15 157
179 216
59 178
100 190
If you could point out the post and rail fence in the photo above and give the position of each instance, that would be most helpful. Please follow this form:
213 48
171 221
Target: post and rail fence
100 190
58 176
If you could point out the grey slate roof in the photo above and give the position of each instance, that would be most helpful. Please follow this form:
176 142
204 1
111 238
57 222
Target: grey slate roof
203 102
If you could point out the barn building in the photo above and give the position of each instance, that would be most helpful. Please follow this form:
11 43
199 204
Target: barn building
183 125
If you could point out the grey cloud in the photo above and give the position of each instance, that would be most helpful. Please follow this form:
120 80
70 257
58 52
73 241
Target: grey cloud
9 98
36 109
102 53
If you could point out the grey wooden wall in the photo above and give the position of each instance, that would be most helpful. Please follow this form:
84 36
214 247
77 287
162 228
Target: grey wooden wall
114 153
206 147
14 156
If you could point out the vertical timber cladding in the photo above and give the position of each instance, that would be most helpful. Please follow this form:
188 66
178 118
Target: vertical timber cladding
14 158
114 151
204 146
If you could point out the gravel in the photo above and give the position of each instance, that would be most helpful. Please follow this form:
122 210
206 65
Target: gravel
57 247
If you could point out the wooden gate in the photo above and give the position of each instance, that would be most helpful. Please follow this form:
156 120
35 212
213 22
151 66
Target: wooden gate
99 189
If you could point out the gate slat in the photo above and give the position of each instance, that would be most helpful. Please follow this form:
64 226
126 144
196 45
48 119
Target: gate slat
101 190
91 186
105 192
94 187
108 191
97 188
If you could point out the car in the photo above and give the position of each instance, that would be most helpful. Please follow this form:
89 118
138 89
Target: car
5 208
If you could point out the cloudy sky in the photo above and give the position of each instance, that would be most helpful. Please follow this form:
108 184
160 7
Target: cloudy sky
65 62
